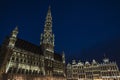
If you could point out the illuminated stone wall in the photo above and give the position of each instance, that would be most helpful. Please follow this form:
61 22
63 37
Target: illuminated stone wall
93 71
30 77
23 63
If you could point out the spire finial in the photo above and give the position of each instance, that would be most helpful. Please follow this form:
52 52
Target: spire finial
106 60
16 28
49 7
104 55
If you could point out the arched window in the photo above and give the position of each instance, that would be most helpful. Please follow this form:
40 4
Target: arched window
17 59
23 71
21 60
10 70
13 58
26 71
24 61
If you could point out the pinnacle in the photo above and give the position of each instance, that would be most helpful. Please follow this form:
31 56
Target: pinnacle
49 7
16 28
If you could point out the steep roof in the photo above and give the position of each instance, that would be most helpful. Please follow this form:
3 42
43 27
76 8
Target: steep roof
28 46
57 57
25 45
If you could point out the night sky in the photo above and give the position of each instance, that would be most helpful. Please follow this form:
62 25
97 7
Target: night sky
84 29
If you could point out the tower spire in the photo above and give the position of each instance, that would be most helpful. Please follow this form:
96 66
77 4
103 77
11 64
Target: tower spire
13 37
47 37
49 8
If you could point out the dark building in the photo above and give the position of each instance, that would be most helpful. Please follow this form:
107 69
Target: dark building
22 60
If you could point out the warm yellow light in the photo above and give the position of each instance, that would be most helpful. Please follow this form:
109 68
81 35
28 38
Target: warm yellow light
97 79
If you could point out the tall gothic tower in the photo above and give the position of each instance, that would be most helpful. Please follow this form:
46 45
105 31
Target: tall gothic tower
47 37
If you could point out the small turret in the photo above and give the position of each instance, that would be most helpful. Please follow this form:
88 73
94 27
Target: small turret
105 60
87 63
80 63
94 62
13 37
68 66
73 62
63 57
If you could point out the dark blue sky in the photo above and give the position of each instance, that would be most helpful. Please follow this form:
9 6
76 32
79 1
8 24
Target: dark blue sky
84 29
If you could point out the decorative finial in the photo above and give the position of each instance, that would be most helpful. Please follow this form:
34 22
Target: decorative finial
16 28
104 55
49 7
105 60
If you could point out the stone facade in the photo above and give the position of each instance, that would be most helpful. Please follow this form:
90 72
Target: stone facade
93 71
22 60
